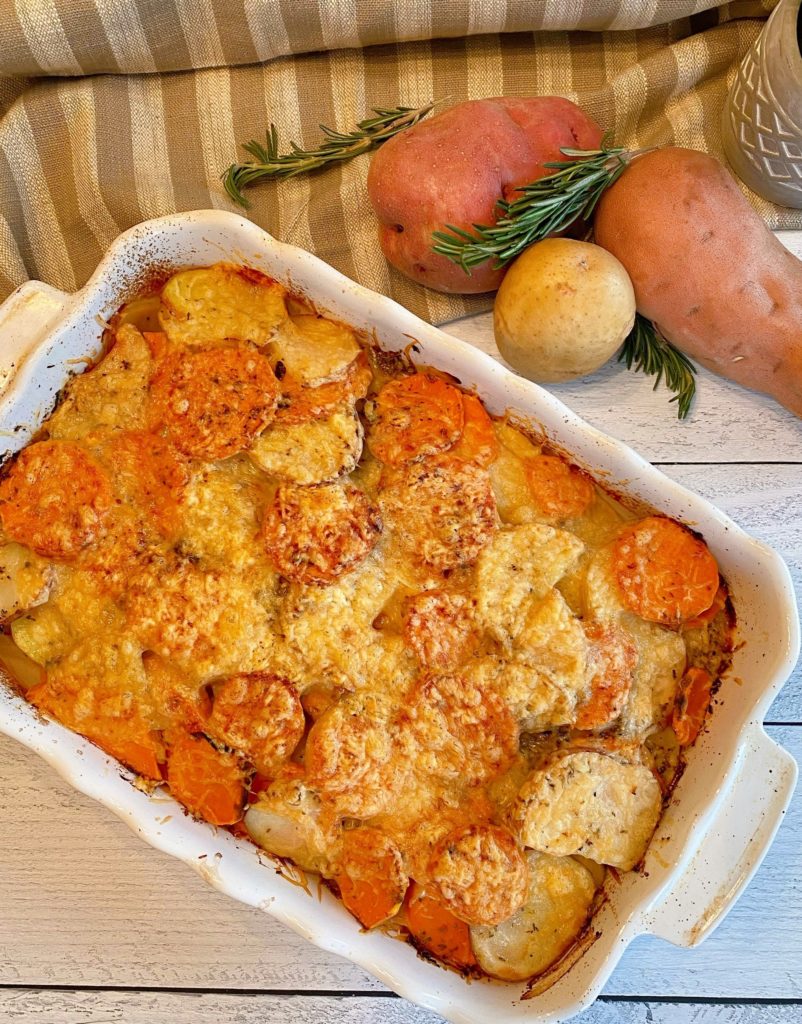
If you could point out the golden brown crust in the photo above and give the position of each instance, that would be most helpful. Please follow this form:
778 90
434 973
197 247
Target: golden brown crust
394 665
259 714
349 754
314 535
480 873
439 628
612 658
459 730
54 498
443 512
213 402
151 472
210 304
414 417
589 803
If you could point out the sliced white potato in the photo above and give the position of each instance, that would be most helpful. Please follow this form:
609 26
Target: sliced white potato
551 639
314 350
111 395
315 452
602 598
331 627
511 487
536 703
514 441
143 313
661 663
561 891
26 672
24 579
661 651
214 303
221 515
43 634
520 563
588 803
665 752
285 822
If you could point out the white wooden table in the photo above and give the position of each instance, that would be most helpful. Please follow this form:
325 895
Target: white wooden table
96 927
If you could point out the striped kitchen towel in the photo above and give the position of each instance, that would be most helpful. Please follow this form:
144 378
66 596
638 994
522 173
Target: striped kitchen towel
114 111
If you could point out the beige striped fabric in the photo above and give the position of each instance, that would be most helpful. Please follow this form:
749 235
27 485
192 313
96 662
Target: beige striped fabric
114 111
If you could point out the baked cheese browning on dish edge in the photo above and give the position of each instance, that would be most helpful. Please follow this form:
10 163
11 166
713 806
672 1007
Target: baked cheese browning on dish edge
331 604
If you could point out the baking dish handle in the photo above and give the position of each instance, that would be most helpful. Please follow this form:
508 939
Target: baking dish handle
733 846
25 318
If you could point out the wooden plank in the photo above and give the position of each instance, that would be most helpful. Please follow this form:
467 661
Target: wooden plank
49 1007
727 422
85 903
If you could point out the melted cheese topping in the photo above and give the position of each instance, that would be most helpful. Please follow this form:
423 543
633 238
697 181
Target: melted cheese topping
405 647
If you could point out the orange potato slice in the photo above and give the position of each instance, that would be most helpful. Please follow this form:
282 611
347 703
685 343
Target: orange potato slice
435 929
315 534
209 782
480 874
478 442
559 490
213 402
414 417
54 498
692 705
664 573
260 715
371 876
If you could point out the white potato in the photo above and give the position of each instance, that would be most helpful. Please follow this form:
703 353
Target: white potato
215 303
586 802
563 308
111 395
24 579
661 651
535 702
519 563
43 634
551 639
315 452
561 891
332 627
508 475
601 597
314 350
285 822
515 441
661 663
20 667
221 516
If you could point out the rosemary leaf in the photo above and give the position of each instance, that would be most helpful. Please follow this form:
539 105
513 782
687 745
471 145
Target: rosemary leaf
542 208
647 351
335 147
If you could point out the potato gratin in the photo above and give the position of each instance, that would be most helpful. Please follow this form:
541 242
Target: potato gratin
329 602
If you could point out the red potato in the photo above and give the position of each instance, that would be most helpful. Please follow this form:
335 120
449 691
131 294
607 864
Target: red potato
707 270
453 168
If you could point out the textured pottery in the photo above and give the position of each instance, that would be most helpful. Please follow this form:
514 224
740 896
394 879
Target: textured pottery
762 121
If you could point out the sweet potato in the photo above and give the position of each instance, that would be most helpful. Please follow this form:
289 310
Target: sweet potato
707 270
454 167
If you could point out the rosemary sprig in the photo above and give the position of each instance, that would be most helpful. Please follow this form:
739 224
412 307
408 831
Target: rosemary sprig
542 208
647 350
335 147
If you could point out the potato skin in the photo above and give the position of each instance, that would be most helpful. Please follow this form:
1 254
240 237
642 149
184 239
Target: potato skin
707 270
452 169
562 310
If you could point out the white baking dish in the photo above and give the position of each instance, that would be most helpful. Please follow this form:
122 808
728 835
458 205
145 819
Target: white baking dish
728 804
